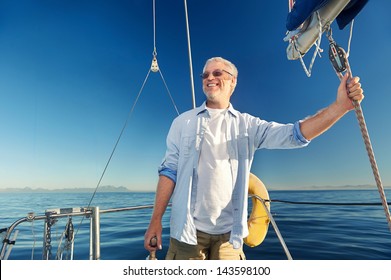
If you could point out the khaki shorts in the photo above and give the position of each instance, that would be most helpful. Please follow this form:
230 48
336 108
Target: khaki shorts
210 247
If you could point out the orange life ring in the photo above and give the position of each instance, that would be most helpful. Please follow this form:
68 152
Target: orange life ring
258 222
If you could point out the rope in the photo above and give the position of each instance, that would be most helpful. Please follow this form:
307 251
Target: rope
350 38
361 121
59 249
291 3
316 51
368 146
372 160
34 239
327 203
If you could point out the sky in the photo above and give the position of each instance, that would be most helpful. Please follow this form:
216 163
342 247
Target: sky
70 72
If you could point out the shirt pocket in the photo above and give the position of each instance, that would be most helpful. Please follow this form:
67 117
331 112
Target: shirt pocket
187 145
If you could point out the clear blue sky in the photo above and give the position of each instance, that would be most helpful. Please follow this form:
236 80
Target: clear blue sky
71 70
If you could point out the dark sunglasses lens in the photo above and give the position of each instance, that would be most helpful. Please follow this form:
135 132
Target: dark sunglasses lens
216 73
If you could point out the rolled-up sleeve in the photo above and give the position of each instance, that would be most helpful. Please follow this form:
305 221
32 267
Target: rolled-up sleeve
169 165
298 136
164 171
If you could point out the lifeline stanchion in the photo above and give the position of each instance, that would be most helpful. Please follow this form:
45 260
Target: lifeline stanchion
340 64
274 224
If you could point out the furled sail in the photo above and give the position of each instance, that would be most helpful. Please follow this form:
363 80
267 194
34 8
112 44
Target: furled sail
308 19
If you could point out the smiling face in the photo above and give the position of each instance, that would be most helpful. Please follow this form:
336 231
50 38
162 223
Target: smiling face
218 84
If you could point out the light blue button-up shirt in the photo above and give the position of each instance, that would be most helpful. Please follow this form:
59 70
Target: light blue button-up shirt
245 134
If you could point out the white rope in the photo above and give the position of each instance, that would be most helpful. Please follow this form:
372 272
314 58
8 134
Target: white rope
368 145
317 50
291 3
34 239
60 250
350 38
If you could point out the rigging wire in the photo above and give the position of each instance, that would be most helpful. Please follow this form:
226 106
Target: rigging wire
154 68
154 27
190 57
119 137
34 239
115 147
168 92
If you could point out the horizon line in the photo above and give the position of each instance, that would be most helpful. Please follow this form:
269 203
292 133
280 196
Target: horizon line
110 188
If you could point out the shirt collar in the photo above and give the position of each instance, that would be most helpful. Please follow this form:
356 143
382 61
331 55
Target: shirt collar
202 109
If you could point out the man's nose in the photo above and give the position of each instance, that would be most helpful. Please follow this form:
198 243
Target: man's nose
210 76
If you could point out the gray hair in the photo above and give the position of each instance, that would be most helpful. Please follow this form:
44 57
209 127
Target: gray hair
229 64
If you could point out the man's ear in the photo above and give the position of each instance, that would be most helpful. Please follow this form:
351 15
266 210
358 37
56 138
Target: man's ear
234 81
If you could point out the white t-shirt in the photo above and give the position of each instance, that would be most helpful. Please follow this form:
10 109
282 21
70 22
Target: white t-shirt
213 207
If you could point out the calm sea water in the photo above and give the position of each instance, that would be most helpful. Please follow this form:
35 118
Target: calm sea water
311 232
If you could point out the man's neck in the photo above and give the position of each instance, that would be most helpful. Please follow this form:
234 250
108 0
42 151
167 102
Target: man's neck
217 105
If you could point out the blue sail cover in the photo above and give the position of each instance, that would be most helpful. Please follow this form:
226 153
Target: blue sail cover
302 9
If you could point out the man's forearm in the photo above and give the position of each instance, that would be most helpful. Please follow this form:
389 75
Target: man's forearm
164 191
315 125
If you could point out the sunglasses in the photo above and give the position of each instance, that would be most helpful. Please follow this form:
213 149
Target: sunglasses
215 73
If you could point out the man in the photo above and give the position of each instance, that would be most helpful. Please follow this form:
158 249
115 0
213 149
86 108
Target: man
206 168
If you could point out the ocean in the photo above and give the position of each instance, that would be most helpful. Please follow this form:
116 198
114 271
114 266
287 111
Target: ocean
310 231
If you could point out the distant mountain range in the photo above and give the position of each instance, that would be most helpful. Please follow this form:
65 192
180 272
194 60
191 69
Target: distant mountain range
67 190
124 189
